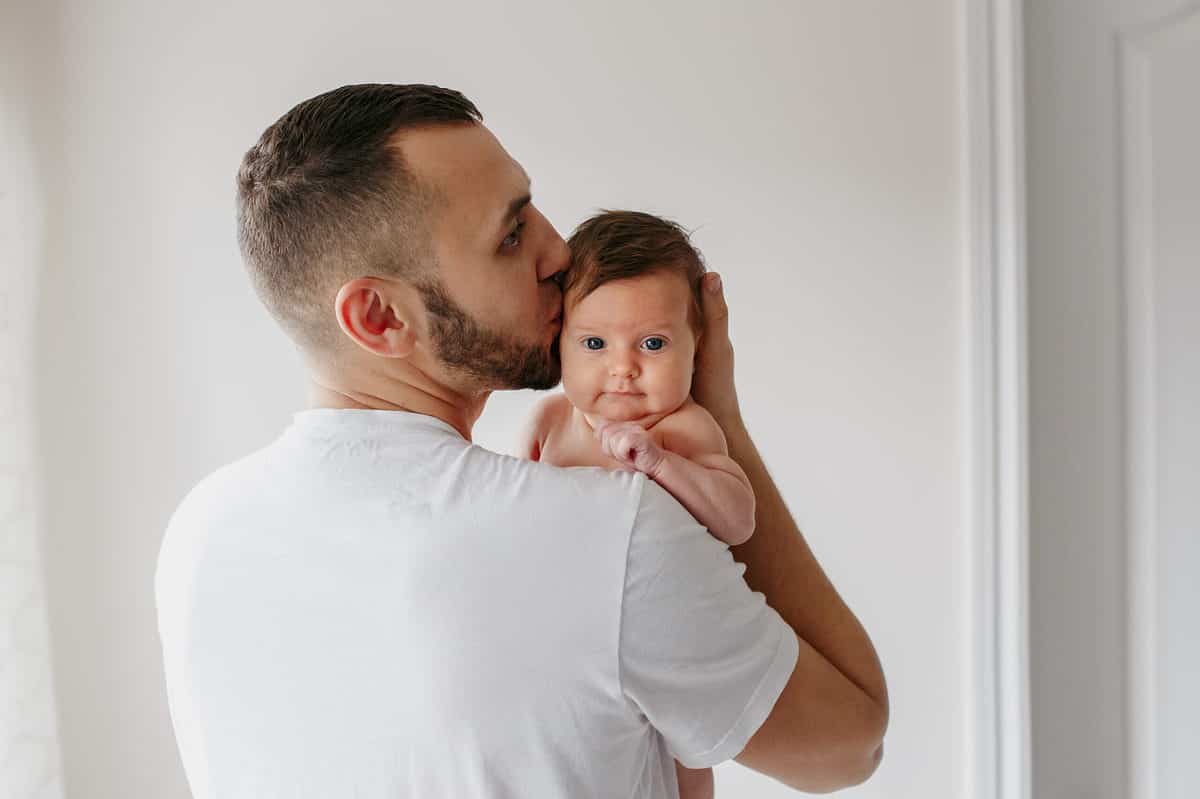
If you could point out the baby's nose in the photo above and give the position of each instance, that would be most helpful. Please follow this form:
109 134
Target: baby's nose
622 368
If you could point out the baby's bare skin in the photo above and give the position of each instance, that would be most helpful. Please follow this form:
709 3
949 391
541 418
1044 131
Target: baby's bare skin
628 353
683 451
566 437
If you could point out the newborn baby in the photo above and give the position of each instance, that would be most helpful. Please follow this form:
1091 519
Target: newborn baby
631 326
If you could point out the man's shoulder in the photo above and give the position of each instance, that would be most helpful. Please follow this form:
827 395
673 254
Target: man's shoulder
662 521
587 486
185 535
225 491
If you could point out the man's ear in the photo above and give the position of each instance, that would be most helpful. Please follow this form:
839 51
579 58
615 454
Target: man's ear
378 315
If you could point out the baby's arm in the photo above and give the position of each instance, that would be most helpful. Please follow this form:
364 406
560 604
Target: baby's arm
533 433
693 464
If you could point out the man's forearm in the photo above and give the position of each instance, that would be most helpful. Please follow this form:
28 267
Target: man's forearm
780 564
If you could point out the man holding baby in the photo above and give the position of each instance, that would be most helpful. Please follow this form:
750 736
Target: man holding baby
372 606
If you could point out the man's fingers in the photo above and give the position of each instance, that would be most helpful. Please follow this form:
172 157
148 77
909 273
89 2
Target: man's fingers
712 383
716 312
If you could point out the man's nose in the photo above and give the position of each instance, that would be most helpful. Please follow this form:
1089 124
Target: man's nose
555 259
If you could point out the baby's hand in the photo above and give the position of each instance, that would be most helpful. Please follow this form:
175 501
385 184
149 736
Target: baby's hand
629 443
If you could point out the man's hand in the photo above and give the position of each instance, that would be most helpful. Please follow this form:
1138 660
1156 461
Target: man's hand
712 383
629 443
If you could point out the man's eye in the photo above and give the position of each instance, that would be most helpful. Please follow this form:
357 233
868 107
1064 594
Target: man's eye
590 340
654 343
514 238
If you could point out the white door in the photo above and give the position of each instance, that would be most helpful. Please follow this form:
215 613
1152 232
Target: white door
1113 135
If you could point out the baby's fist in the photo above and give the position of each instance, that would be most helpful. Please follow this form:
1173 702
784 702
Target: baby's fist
631 445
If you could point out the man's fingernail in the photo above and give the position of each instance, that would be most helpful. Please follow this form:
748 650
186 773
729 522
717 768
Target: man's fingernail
714 284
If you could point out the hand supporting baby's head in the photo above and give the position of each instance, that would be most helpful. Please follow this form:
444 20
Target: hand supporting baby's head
632 315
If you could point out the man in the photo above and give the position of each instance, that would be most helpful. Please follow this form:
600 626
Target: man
372 606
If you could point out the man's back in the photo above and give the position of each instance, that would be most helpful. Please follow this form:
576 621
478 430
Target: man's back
373 607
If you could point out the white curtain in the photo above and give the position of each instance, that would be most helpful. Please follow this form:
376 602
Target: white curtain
30 763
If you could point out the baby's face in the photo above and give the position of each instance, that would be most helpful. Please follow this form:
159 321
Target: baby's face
627 348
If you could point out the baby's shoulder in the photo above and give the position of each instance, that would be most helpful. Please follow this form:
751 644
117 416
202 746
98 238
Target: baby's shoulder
689 414
548 414
551 409
691 430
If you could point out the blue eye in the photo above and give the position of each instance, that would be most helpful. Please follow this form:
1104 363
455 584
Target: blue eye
661 343
587 343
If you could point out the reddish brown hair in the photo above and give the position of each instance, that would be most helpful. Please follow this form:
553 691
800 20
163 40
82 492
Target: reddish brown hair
617 245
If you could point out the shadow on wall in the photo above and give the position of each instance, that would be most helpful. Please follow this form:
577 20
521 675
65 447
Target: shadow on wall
30 757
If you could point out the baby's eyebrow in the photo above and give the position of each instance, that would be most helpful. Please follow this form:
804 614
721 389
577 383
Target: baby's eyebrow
640 326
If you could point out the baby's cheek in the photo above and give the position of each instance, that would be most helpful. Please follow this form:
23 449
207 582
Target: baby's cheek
681 382
574 383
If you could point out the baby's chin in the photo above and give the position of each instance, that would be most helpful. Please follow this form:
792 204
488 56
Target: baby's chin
630 409
618 414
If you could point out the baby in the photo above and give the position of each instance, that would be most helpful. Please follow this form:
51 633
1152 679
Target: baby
631 327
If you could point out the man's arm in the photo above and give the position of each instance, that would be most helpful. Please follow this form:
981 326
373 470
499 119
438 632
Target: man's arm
778 561
780 564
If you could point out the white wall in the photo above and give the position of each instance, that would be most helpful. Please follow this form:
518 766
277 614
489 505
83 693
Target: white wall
814 145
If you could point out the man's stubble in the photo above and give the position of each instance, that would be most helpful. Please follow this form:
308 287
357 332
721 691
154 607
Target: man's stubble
488 358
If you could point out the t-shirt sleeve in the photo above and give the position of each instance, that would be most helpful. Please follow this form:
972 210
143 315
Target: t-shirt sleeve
702 656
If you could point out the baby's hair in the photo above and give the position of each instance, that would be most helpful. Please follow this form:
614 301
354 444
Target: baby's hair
617 245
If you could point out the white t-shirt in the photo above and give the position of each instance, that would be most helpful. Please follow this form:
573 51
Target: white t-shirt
373 607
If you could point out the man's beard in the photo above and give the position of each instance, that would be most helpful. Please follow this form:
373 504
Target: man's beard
491 360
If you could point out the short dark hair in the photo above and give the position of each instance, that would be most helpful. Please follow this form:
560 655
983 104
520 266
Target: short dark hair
325 196
617 245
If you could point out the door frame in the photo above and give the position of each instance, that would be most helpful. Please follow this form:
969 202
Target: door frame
1135 47
993 102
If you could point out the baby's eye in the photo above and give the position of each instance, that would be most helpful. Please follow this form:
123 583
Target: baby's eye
596 340
654 343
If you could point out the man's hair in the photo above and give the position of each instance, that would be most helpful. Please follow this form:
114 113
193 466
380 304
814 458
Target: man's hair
325 196
617 245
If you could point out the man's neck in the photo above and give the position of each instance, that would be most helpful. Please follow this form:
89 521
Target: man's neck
458 411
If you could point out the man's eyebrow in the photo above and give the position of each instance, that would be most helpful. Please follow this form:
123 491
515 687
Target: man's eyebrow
515 207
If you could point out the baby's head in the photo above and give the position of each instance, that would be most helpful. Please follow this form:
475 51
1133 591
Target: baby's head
631 316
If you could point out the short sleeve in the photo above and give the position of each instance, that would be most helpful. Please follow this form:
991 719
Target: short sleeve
701 655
